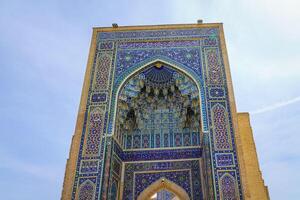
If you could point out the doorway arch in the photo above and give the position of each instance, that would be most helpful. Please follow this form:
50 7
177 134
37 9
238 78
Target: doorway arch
163 184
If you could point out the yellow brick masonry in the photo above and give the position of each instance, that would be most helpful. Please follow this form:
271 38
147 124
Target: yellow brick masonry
255 189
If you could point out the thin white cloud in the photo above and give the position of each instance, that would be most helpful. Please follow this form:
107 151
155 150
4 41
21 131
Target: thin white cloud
45 172
276 106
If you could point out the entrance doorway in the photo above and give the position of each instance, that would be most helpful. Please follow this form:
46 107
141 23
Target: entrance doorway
164 189
164 195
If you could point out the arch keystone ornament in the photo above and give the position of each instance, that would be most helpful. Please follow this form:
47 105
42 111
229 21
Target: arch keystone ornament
157 116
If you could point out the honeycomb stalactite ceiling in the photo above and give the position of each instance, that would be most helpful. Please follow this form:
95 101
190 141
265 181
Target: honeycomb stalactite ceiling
158 89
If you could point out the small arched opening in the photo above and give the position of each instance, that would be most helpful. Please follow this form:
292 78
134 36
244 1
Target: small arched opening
163 189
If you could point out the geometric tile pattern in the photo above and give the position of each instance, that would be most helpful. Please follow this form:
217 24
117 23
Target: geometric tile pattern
224 159
145 179
216 93
214 73
228 187
187 57
157 154
152 34
102 72
220 125
86 191
89 166
95 132
105 45
161 130
139 176
99 97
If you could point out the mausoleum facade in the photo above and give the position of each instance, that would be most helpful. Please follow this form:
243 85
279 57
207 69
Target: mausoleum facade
157 119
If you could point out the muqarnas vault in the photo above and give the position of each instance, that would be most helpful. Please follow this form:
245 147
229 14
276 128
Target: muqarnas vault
157 119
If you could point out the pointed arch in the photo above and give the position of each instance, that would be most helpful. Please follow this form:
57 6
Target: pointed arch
228 188
127 75
161 184
86 191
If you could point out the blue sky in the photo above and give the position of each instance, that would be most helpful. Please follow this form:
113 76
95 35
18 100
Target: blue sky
43 54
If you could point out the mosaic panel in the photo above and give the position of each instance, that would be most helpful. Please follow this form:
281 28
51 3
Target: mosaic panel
85 179
216 93
158 44
195 32
224 159
228 187
89 166
86 191
163 127
107 169
190 57
144 179
213 66
220 127
102 71
105 45
99 97
210 41
95 131
184 173
161 154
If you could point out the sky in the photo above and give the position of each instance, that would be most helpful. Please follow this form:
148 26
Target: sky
43 55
